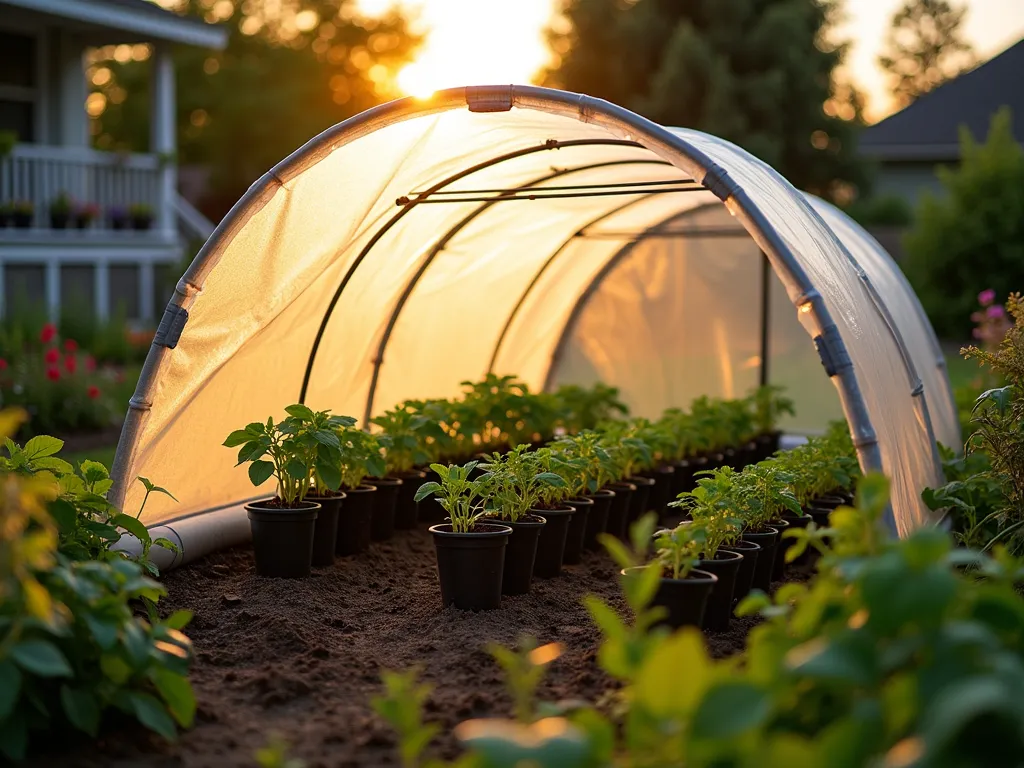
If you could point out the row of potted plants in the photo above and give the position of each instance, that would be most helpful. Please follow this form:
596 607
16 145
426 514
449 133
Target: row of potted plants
65 214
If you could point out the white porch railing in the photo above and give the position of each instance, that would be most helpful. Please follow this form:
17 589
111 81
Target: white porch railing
39 174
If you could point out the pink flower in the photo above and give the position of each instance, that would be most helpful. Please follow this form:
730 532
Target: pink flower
995 311
51 356
976 332
70 345
93 392
90 363
46 335
3 364
70 363
53 374
986 297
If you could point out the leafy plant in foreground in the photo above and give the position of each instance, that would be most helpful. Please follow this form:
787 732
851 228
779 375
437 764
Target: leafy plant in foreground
457 494
514 483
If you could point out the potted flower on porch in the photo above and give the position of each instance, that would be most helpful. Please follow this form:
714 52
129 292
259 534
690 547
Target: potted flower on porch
141 216
23 214
60 211
282 525
470 549
86 214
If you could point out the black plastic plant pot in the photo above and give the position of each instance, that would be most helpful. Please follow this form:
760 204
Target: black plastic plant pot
748 454
829 501
325 535
551 544
684 600
385 500
618 511
521 554
429 511
745 575
470 565
796 521
406 507
731 458
661 491
282 539
726 567
781 545
767 444
597 518
577 530
766 540
682 478
640 501
818 514
356 520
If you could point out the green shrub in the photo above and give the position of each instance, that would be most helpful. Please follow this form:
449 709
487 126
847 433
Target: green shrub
881 211
972 239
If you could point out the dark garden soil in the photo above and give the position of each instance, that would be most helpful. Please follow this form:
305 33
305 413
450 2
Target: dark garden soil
302 659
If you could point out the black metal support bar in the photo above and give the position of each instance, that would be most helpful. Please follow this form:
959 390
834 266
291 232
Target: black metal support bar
510 195
418 196
550 144
378 360
766 293
694 233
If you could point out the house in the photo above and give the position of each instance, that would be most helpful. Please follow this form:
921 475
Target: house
45 156
909 145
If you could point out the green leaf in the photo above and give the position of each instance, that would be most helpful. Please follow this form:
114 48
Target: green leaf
42 445
93 471
729 710
155 488
328 438
133 526
81 708
329 473
136 644
179 619
251 451
175 690
425 490
42 658
238 437
14 737
167 544
260 472
104 531
153 715
659 692
300 411
55 465
64 514
10 687
296 469
104 632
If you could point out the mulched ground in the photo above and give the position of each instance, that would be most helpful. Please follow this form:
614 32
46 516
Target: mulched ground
302 659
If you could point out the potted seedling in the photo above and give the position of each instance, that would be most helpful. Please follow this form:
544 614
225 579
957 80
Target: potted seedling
385 500
625 453
660 469
470 549
762 493
683 589
141 216
60 211
769 405
407 430
720 529
360 457
318 433
574 471
511 486
23 214
283 525
596 468
551 505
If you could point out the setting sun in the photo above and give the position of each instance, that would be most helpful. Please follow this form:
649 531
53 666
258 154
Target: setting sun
469 42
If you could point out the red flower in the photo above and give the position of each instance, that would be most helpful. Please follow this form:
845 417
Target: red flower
52 356
90 363
93 392
70 345
3 364
70 363
53 374
46 335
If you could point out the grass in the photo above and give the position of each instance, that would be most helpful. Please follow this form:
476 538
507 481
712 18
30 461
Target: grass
962 373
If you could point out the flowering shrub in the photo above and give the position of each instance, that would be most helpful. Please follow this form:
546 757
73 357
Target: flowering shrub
58 384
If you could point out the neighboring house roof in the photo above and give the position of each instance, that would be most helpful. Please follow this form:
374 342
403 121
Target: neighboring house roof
139 17
929 129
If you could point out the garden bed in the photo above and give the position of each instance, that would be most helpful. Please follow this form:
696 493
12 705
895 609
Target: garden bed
302 658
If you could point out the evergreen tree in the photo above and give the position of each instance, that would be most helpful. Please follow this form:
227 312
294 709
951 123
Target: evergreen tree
924 48
760 73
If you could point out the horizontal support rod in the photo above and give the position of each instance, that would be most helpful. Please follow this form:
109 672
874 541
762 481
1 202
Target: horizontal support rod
557 196
694 233
610 185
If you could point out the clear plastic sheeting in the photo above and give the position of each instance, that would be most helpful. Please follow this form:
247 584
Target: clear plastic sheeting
322 286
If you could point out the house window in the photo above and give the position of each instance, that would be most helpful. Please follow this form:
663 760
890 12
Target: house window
24 289
78 290
17 84
124 291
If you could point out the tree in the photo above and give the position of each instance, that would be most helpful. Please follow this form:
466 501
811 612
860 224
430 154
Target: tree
971 239
924 48
290 70
761 73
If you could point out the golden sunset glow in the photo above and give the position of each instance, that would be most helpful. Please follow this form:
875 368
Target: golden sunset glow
472 42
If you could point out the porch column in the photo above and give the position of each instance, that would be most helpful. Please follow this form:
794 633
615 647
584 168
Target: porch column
53 289
146 291
162 141
101 289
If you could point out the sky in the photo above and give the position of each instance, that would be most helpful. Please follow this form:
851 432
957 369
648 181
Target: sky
501 41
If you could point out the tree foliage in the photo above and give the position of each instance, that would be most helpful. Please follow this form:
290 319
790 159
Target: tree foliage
924 48
972 238
290 70
760 73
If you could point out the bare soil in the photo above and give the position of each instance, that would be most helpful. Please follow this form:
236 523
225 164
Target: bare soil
302 658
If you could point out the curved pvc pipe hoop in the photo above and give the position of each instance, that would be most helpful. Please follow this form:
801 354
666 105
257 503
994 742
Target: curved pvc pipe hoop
618 121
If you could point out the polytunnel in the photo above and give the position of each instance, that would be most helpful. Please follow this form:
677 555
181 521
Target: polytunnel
524 230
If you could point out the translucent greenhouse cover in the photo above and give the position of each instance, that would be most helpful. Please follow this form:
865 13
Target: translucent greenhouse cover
321 285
